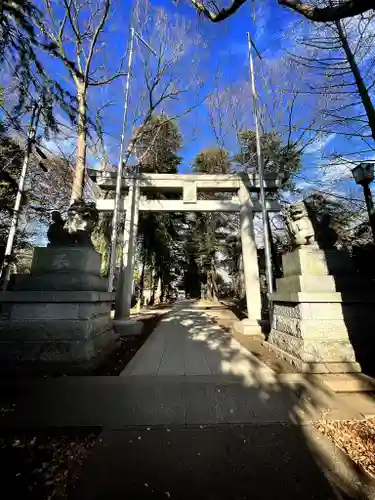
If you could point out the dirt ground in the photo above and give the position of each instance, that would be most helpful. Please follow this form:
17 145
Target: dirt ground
44 464
128 346
224 316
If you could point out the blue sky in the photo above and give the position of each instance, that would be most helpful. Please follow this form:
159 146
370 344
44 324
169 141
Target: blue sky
227 49
224 49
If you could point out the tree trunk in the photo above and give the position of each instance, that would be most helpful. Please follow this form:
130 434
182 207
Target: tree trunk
154 281
208 288
240 278
362 89
211 284
79 174
142 280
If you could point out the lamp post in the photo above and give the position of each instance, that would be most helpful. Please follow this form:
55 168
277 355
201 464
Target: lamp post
364 174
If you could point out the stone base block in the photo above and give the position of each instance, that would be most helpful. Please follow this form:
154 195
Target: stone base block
318 350
311 329
324 283
61 281
321 311
358 312
249 327
311 260
314 367
56 328
127 327
63 268
81 260
58 351
39 329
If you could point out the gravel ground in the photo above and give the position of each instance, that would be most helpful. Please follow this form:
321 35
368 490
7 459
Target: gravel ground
356 438
44 465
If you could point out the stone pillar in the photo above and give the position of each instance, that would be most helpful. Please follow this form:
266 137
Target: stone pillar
251 325
124 286
317 309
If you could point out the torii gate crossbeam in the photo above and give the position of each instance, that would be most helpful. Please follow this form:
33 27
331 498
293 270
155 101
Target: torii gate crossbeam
137 189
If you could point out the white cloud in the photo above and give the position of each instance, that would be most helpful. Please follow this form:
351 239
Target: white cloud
337 170
320 143
340 169
60 145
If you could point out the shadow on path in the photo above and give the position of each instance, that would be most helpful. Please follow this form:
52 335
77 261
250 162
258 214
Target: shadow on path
240 432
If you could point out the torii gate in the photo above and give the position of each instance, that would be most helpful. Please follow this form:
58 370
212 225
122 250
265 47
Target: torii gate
136 188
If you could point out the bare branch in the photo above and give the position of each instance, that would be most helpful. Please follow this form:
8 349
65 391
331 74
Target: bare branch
348 8
220 14
92 83
95 38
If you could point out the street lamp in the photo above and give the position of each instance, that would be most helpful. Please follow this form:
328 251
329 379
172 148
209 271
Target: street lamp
364 174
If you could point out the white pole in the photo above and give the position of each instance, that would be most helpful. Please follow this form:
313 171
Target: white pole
112 263
5 268
267 247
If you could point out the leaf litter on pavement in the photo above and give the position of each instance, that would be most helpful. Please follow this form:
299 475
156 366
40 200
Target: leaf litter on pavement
355 438
44 466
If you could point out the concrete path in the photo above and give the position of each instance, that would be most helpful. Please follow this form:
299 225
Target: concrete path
189 372
187 343
258 462
160 436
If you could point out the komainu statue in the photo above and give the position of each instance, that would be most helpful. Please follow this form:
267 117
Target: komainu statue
81 221
56 234
77 228
299 225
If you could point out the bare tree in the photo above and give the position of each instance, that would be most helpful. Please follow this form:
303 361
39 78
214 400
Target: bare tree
229 111
284 108
341 67
161 83
80 24
336 11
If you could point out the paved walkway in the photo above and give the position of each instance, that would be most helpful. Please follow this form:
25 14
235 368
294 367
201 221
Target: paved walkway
187 343
189 372
160 436
192 372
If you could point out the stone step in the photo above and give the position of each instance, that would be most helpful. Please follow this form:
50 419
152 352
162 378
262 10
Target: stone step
117 402
364 403
349 382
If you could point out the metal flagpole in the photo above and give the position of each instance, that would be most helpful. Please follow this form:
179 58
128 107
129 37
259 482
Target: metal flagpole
113 250
5 268
267 247
116 211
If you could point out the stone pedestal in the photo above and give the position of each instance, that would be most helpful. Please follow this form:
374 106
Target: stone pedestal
60 313
126 327
318 311
250 327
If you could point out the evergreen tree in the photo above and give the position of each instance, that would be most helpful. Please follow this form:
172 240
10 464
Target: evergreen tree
204 241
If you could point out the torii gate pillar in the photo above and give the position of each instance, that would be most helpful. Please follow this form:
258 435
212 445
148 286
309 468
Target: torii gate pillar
252 324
